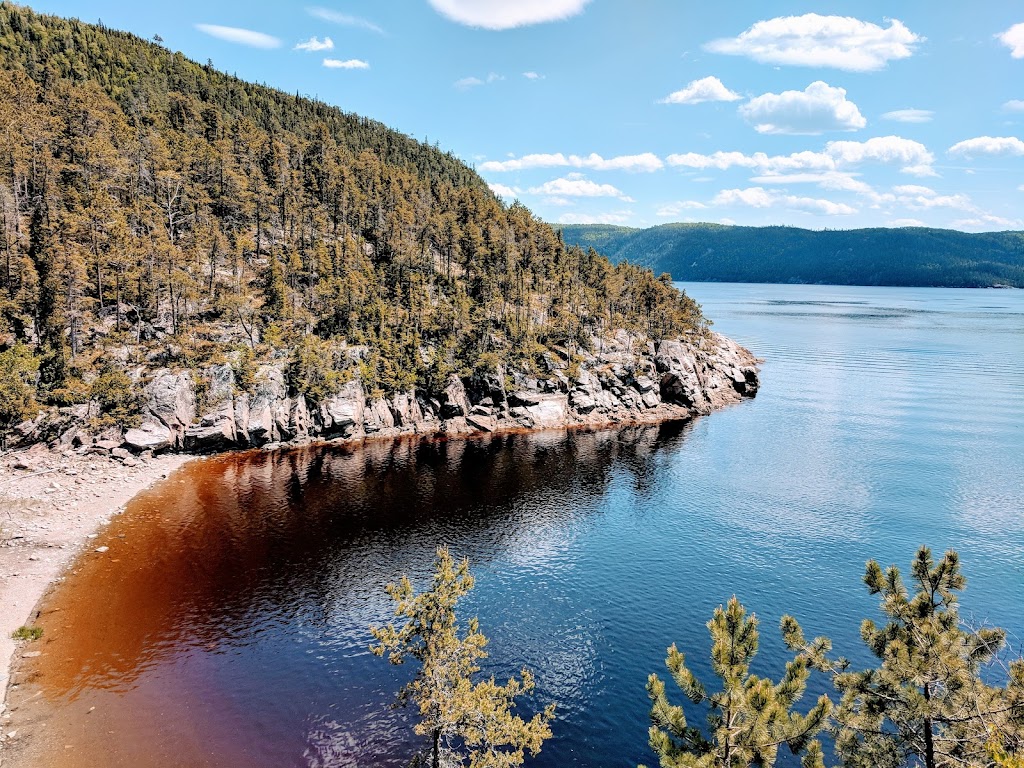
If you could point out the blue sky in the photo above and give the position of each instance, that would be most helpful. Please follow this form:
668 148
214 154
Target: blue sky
831 114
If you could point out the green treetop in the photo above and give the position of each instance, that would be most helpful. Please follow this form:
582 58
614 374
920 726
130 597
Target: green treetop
750 717
926 700
463 718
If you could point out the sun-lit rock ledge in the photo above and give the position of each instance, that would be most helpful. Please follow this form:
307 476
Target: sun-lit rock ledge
623 379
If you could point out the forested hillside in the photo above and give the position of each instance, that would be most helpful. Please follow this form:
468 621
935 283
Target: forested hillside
156 212
910 256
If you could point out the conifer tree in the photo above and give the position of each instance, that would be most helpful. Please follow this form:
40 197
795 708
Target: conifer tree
749 718
926 700
18 370
464 719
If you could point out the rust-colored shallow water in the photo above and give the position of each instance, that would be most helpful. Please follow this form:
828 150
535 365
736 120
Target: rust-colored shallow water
204 634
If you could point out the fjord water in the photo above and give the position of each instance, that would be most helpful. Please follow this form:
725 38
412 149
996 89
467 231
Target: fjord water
227 624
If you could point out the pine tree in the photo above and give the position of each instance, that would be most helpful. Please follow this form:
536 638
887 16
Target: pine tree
463 719
926 700
750 717
18 370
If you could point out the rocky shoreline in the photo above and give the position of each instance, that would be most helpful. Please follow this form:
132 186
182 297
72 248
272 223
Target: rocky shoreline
65 481
625 379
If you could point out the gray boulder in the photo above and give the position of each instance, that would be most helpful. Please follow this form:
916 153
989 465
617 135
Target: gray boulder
151 436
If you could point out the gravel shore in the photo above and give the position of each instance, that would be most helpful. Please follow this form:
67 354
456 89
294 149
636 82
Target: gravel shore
51 505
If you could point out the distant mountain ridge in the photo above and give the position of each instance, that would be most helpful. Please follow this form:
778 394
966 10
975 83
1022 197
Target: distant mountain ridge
910 256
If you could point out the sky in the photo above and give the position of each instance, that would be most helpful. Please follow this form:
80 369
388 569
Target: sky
642 112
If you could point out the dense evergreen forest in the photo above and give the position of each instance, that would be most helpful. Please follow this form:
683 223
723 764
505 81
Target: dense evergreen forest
159 212
910 256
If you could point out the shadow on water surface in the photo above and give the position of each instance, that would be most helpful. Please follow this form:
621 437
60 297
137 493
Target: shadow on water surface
224 625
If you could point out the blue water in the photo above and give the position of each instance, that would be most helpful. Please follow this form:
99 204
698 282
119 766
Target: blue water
887 418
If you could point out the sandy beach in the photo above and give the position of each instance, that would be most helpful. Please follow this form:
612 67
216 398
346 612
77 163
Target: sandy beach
51 505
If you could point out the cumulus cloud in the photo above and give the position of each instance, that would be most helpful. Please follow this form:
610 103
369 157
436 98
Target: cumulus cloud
615 217
575 185
315 44
241 36
758 197
909 115
837 155
907 223
1013 38
501 14
343 19
1014 105
346 64
988 145
699 91
814 110
642 163
811 40
533 76
503 191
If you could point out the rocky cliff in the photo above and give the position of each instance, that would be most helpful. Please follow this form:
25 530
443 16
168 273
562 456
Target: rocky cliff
623 378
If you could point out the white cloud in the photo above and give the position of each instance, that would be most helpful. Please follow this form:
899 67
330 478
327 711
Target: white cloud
1013 38
882 149
574 185
315 44
831 180
837 155
907 223
346 64
1020 188
811 40
925 202
720 160
758 197
910 115
1014 105
988 145
642 163
473 82
987 221
919 170
814 110
539 160
503 191
914 189
674 209
533 76
502 14
616 217
699 91
240 36
559 201
343 19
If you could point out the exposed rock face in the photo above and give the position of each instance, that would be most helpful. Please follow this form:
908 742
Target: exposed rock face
622 378
171 400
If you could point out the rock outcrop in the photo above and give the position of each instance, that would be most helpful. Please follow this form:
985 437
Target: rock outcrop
621 379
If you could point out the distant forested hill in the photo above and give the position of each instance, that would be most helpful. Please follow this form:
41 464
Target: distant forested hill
908 256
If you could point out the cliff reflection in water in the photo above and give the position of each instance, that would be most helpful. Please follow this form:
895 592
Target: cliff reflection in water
228 620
